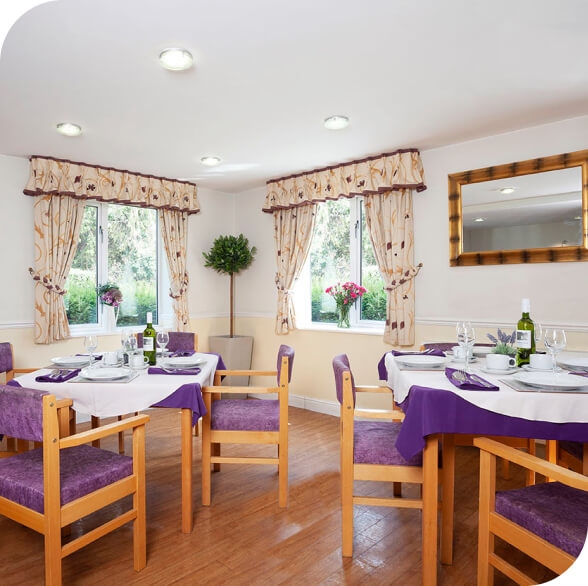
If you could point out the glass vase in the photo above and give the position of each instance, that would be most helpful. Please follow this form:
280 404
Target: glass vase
344 316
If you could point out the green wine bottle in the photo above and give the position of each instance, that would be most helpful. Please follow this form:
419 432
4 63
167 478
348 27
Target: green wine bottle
525 335
149 340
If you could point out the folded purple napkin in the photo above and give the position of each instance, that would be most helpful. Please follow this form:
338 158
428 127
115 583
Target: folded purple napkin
580 373
471 382
96 356
423 353
181 353
155 370
61 378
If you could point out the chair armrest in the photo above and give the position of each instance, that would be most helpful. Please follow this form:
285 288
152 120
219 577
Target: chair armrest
373 389
234 390
379 414
111 429
530 462
61 403
247 372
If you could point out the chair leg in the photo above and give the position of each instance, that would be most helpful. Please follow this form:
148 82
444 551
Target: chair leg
206 447
216 451
95 424
485 538
283 475
197 428
397 489
506 470
140 522
53 555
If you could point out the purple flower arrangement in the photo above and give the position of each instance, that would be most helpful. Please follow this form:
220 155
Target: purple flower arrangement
502 337
110 295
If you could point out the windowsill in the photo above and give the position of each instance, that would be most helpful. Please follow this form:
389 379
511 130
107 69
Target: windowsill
366 330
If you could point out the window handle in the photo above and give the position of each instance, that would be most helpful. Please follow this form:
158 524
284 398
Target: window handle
356 227
101 234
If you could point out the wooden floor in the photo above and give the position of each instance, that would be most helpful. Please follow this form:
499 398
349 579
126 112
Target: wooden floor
244 538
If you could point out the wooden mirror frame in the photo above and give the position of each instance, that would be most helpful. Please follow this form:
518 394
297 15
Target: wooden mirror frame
457 257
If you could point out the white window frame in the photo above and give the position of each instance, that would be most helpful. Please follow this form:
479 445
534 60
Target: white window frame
303 287
163 309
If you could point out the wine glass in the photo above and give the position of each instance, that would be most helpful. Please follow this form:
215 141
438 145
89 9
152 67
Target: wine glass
162 341
466 338
91 343
555 341
131 344
538 336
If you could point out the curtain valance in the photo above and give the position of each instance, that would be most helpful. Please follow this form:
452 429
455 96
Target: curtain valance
402 169
49 176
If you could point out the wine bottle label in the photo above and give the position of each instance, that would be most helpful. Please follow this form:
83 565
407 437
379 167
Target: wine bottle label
524 339
148 345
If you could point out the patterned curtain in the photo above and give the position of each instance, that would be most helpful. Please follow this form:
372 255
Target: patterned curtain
293 230
58 220
389 219
174 231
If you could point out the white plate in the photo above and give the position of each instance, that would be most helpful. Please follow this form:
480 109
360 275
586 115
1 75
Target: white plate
71 360
548 380
482 350
499 371
573 360
105 373
181 361
531 369
421 360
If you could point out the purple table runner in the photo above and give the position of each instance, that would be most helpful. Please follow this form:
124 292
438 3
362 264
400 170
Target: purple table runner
430 411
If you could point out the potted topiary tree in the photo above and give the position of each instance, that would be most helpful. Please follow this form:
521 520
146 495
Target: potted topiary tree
229 255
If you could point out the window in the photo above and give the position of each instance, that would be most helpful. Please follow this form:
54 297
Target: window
341 251
120 245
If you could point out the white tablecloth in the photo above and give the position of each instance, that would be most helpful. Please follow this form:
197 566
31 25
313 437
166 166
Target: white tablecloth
536 406
109 399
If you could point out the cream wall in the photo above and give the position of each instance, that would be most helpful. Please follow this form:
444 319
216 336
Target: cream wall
489 296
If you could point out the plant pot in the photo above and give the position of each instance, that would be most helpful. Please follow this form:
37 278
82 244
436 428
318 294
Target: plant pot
236 353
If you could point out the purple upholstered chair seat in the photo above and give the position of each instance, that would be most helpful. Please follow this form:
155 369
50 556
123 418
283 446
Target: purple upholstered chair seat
374 442
553 511
576 449
83 469
245 415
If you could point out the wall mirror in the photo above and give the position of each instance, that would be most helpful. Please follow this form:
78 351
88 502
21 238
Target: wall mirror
529 211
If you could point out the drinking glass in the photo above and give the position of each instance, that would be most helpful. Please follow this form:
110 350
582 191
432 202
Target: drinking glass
163 341
131 344
91 343
538 336
466 338
555 341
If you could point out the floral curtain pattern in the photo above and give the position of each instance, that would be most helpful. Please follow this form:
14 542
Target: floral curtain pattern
57 222
78 180
174 232
402 169
293 230
390 223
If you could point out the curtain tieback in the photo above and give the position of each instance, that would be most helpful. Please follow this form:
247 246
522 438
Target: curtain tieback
407 275
47 282
177 292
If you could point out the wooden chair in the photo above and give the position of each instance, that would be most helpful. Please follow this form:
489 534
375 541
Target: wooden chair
49 488
368 451
245 421
545 521
7 367
178 342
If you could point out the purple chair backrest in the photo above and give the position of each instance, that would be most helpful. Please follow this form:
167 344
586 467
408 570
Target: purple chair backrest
289 352
5 357
340 365
178 341
21 413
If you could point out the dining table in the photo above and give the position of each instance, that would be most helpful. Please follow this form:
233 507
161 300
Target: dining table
436 411
102 399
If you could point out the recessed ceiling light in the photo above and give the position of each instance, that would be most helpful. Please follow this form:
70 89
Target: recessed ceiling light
176 59
479 219
69 129
336 122
211 161
506 190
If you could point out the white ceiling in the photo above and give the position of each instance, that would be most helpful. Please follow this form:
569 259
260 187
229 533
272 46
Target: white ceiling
408 74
